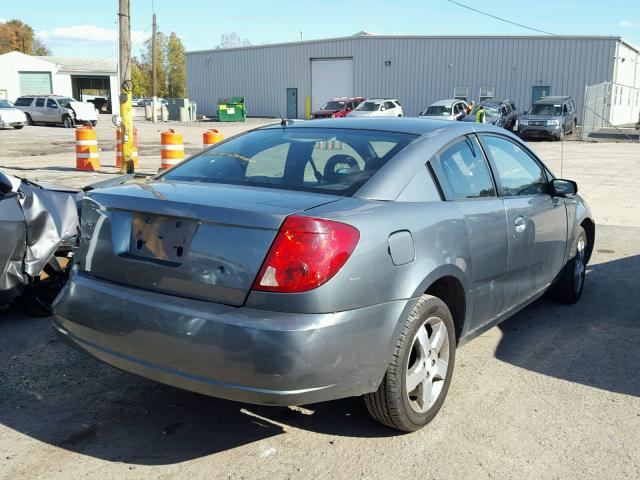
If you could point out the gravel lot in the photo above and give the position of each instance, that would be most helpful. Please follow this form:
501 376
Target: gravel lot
552 393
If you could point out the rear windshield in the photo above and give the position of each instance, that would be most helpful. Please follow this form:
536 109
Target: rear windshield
5 104
334 161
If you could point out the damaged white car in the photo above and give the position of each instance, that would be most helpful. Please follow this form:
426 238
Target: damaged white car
56 109
10 116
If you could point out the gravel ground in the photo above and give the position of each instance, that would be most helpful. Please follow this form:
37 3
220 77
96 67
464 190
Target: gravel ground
552 393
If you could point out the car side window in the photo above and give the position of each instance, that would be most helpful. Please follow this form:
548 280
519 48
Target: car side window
466 170
390 105
51 103
40 102
519 173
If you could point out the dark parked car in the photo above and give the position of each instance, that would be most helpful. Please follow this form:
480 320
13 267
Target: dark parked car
501 113
271 271
37 226
549 117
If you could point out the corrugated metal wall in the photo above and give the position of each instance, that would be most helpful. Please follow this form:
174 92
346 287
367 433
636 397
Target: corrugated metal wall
422 69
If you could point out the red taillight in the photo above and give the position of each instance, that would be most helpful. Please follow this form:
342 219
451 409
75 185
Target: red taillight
306 253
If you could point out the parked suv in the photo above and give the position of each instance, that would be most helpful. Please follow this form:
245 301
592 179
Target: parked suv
378 107
338 107
56 109
549 117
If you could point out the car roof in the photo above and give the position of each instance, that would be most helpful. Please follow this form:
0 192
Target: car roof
552 99
381 100
410 125
48 95
449 101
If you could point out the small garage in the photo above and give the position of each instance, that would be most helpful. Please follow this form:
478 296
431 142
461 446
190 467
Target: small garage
330 78
84 79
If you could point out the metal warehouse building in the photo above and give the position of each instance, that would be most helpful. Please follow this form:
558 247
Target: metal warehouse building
417 71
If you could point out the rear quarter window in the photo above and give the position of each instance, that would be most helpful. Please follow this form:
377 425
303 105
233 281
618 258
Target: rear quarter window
23 102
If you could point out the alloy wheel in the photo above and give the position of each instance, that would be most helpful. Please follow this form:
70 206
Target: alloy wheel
428 364
580 267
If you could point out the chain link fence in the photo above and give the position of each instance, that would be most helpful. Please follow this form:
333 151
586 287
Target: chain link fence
609 108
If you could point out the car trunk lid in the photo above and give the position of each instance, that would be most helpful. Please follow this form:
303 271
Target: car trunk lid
204 241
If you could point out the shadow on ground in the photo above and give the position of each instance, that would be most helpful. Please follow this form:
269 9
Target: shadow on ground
594 342
63 397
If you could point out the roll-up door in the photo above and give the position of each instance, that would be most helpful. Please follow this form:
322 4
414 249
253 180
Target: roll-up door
35 83
330 78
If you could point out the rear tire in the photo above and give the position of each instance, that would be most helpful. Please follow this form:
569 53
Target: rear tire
418 377
18 127
570 283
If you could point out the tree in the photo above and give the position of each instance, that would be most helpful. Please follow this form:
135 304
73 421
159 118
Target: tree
141 82
146 65
170 68
40 48
176 68
233 40
18 36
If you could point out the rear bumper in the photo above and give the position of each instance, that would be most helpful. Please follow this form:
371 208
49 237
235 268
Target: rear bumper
241 354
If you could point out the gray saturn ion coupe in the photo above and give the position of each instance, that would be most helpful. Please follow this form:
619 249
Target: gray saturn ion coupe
309 261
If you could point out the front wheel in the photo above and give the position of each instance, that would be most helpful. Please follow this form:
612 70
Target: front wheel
67 122
418 377
29 119
42 290
18 127
569 285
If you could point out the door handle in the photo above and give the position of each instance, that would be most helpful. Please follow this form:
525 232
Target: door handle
520 224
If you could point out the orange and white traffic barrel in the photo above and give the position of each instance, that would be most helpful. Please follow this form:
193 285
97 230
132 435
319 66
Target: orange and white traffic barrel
87 157
172 149
134 153
211 137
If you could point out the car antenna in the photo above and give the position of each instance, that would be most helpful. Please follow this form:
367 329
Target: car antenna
283 122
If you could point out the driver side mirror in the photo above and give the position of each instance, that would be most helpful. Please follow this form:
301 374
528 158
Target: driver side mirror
8 184
562 188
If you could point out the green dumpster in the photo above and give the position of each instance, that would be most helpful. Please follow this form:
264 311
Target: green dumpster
231 109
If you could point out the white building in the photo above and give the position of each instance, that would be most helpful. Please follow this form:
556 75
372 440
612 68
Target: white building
82 79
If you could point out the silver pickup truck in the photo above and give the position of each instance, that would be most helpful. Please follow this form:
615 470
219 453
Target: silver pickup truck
56 109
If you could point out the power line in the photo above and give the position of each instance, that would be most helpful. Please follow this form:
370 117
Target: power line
499 18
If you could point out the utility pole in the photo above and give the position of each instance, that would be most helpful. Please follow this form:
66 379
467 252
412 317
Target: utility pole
154 92
126 114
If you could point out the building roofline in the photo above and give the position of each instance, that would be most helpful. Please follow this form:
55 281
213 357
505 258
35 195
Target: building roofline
369 38
629 44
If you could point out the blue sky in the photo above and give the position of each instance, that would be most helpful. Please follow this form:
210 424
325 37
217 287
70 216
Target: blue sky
89 29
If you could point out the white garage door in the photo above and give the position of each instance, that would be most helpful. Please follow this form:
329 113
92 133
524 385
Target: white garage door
35 83
330 78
